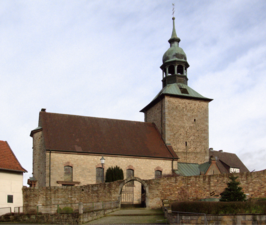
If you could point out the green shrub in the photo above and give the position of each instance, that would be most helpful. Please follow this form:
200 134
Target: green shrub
233 192
65 210
114 173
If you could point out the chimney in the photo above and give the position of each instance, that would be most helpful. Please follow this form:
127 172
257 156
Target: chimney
220 150
211 149
213 160
43 110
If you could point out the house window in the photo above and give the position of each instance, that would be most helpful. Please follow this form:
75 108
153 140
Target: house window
158 174
99 175
10 199
130 173
68 173
234 170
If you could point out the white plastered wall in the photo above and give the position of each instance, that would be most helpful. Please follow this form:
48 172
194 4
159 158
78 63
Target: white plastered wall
11 184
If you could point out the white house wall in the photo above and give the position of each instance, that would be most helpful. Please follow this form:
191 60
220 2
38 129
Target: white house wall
11 184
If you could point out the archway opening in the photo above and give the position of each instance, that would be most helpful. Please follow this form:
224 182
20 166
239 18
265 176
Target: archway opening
171 70
180 69
133 193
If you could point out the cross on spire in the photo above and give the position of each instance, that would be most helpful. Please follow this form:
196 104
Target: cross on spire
173 9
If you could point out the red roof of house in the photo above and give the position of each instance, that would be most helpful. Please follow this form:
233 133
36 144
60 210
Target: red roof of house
82 134
8 160
227 160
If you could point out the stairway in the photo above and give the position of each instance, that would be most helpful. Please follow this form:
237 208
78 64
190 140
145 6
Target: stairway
133 216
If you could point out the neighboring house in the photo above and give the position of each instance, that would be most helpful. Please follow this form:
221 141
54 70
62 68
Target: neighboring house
228 162
220 162
11 177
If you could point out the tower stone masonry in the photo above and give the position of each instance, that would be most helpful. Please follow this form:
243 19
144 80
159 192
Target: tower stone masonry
180 113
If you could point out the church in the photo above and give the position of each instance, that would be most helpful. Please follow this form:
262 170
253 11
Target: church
73 150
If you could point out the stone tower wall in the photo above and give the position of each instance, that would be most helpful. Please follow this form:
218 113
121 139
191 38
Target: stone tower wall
187 128
156 115
39 159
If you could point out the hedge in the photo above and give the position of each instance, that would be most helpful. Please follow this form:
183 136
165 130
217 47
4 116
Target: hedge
248 207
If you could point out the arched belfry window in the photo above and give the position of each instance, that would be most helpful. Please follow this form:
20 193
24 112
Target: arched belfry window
99 175
171 70
180 69
68 173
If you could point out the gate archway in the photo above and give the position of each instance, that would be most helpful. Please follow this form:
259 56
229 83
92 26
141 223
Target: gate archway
144 186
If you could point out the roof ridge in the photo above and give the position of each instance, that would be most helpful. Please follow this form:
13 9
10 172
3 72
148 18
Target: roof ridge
103 118
223 152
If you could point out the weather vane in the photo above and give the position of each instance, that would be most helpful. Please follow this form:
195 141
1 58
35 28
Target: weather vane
173 9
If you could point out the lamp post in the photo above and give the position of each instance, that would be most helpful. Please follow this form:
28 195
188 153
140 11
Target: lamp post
102 161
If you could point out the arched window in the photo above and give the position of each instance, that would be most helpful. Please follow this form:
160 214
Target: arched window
130 173
180 69
99 175
68 173
158 174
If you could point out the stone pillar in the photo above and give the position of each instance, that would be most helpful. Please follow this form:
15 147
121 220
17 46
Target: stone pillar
175 69
80 208
167 71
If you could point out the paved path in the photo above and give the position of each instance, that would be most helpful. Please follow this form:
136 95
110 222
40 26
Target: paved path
133 216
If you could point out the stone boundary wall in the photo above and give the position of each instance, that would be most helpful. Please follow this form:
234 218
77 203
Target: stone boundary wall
247 219
71 218
173 188
206 186
75 194
56 218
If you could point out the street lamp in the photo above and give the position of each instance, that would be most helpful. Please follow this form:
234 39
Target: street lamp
102 161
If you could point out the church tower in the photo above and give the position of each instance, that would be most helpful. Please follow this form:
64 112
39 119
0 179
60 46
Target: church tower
179 112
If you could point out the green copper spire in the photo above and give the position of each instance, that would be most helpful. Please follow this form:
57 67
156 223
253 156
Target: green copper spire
174 36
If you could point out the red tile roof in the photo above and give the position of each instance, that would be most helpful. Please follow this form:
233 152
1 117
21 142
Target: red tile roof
102 136
8 160
226 160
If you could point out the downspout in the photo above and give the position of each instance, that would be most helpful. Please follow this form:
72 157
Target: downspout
172 165
162 119
50 168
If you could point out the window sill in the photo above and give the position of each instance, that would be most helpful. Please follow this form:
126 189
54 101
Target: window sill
68 182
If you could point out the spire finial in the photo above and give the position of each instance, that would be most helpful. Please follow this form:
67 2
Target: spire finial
173 10
174 36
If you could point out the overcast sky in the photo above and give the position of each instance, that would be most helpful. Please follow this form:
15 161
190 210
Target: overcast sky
102 58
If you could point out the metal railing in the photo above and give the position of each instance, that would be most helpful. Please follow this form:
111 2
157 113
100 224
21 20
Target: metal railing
183 216
5 210
66 208
26 209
